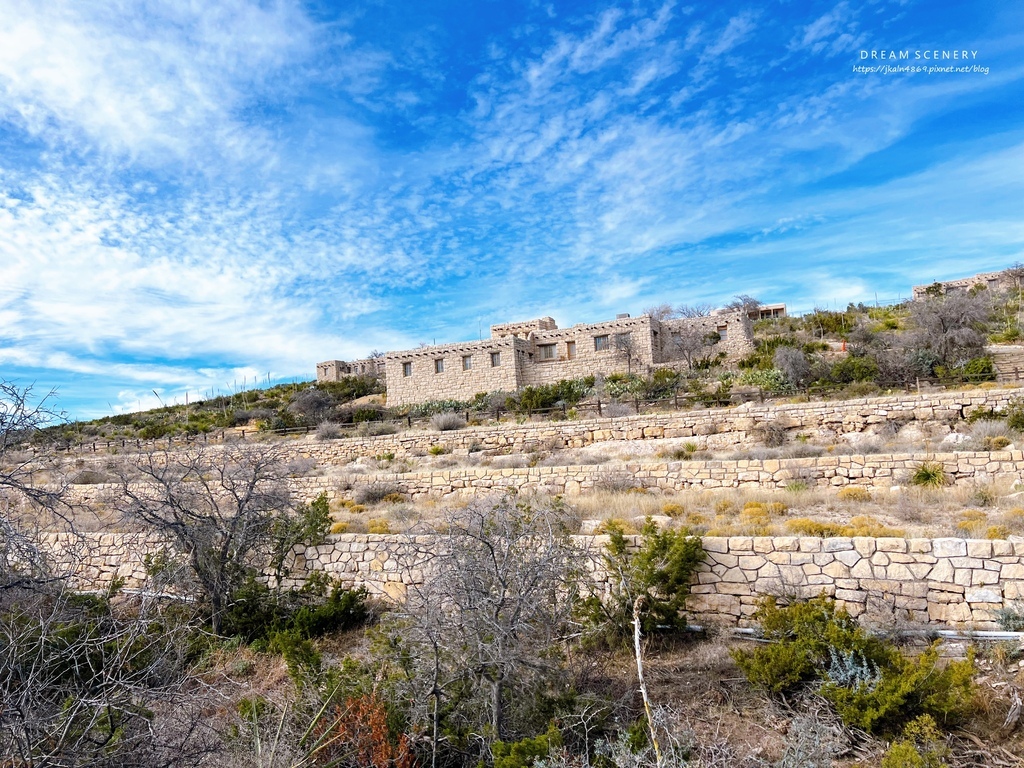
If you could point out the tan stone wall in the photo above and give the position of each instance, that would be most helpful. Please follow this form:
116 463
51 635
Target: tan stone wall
334 370
738 333
454 382
947 582
636 354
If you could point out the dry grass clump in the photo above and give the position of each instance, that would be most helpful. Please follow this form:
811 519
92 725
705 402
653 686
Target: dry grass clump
351 506
378 525
975 524
609 504
855 494
616 525
756 518
861 525
340 527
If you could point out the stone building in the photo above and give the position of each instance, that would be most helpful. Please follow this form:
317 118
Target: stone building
993 281
537 352
334 370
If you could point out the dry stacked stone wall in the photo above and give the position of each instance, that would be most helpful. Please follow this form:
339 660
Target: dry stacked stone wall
947 582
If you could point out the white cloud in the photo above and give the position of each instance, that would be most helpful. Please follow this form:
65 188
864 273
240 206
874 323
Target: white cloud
145 79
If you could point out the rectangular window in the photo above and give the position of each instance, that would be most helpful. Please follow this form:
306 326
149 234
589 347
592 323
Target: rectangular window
600 343
495 359
407 369
547 351
570 350
723 332
439 365
467 362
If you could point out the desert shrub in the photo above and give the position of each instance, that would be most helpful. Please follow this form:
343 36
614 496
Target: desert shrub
772 433
394 498
854 493
567 391
89 477
616 481
437 450
446 422
657 574
1015 414
672 509
985 414
328 430
1011 617
990 435
378 525
870 527
526 752
339 527
869 682
854 369
376 428
805 526
373 493
320 606
770 380
929 475
921 745
972 522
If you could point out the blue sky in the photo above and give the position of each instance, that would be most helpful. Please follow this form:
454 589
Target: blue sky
194 195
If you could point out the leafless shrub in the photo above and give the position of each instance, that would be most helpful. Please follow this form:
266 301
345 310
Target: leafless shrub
376 428
617 410
329 430
772 433
90 477
374 493
813 739
447 421
617 481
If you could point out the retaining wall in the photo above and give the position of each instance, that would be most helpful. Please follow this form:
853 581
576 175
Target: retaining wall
949 582
715 428
871 470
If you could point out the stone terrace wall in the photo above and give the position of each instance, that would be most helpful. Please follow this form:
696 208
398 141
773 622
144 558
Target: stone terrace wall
935 581
871 470
716 427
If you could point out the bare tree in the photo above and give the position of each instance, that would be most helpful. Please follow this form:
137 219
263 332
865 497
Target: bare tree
490 616
661 312
695 310
744 303
793 364
218 509
627 348
951 328
692 344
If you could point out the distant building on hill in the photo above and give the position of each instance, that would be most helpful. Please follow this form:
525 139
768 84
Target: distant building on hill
993 281
537 352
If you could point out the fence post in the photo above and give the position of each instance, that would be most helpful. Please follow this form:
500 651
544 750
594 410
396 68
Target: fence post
599 406
243 434
408 420
467 417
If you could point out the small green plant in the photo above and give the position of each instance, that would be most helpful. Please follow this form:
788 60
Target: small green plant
920 746
656 573
526 753
437 450
929 475
385 457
